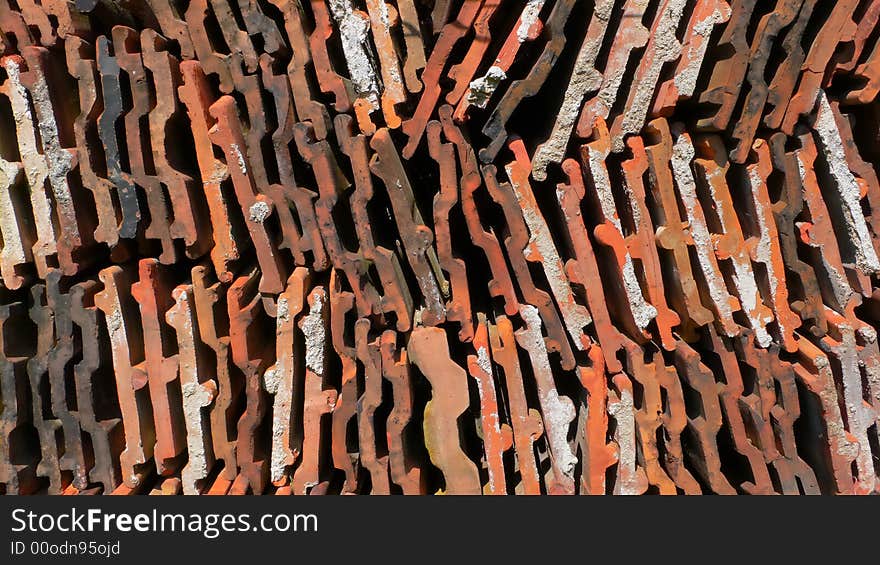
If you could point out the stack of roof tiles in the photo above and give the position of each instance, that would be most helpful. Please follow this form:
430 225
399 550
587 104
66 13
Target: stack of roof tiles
479 246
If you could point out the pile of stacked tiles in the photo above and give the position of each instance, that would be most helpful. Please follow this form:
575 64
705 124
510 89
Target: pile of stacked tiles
479 246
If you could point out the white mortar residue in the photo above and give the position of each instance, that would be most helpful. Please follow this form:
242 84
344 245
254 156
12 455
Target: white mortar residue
259 211
743 276
481 89
847 187
575 316
642 311
682 155
239 157
354 35
528 18
558 411
315 331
